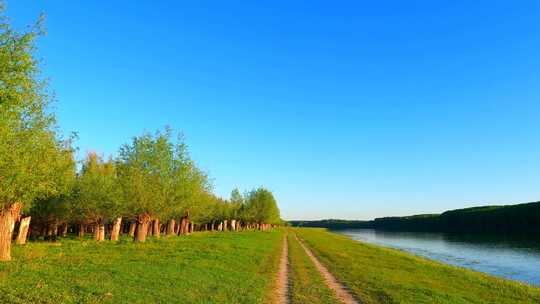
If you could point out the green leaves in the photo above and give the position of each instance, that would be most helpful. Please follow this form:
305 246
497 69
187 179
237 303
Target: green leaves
158 176
32 157
96 193
261 207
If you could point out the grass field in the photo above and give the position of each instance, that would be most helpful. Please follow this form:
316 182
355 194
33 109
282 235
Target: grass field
381 275
238 268
201 268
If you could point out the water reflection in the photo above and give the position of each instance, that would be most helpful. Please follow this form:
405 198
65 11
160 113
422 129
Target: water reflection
514 257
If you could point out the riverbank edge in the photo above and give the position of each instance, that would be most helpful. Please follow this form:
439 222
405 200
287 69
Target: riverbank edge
387 274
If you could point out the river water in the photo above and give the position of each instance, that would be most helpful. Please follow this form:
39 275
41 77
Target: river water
511 257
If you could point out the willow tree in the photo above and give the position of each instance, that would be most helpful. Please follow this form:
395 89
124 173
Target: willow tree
54 209
96 195
146 170
237 202
261 207
184 183
27 138
196 189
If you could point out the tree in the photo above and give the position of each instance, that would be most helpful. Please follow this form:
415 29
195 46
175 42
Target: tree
28 141
48 211
261 207
236 197
96 195
156 177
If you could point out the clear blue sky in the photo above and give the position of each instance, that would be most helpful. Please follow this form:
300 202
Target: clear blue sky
344 109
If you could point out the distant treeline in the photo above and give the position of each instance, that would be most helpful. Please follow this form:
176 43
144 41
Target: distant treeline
333 224
508 219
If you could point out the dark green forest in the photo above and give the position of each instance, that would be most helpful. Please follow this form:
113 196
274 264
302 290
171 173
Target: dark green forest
508 219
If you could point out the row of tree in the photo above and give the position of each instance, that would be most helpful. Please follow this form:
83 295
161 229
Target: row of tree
151 186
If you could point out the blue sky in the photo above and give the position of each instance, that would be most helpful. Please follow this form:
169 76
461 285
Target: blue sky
345 109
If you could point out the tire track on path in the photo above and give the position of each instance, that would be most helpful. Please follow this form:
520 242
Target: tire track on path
283 274
341 292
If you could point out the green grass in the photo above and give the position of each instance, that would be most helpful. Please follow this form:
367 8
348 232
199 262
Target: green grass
201 268
381 275
307 285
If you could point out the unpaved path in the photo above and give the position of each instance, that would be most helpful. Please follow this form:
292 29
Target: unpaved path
341 292
283 274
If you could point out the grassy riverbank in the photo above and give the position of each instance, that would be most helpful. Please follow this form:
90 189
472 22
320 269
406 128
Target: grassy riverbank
380 275
201 268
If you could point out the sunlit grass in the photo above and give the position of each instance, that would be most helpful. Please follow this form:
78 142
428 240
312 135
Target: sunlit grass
201 268
382 275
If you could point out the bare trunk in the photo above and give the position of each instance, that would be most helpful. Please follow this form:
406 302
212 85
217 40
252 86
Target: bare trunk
8 216
115 232
23 230
181 226
149 226
101 232
132 227
96 232
142 228
220 226
49 234
64 230
225 225
156 227
233 225
170 227
184 226
81 230
184 223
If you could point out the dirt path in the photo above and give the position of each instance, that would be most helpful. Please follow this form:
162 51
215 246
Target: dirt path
283 274
341 292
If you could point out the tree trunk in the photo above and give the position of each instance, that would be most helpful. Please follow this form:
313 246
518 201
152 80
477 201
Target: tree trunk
170 227
54 231
233 225
150 230
23 230
142 228
101 232
49 233
156 227
81 230
8 216
132 227
183 226
64 230
115 232
220 226
96 232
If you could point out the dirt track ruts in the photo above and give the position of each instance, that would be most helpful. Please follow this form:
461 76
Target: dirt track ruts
283 274
339 290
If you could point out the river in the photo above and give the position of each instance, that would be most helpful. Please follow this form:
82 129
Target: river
511 257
